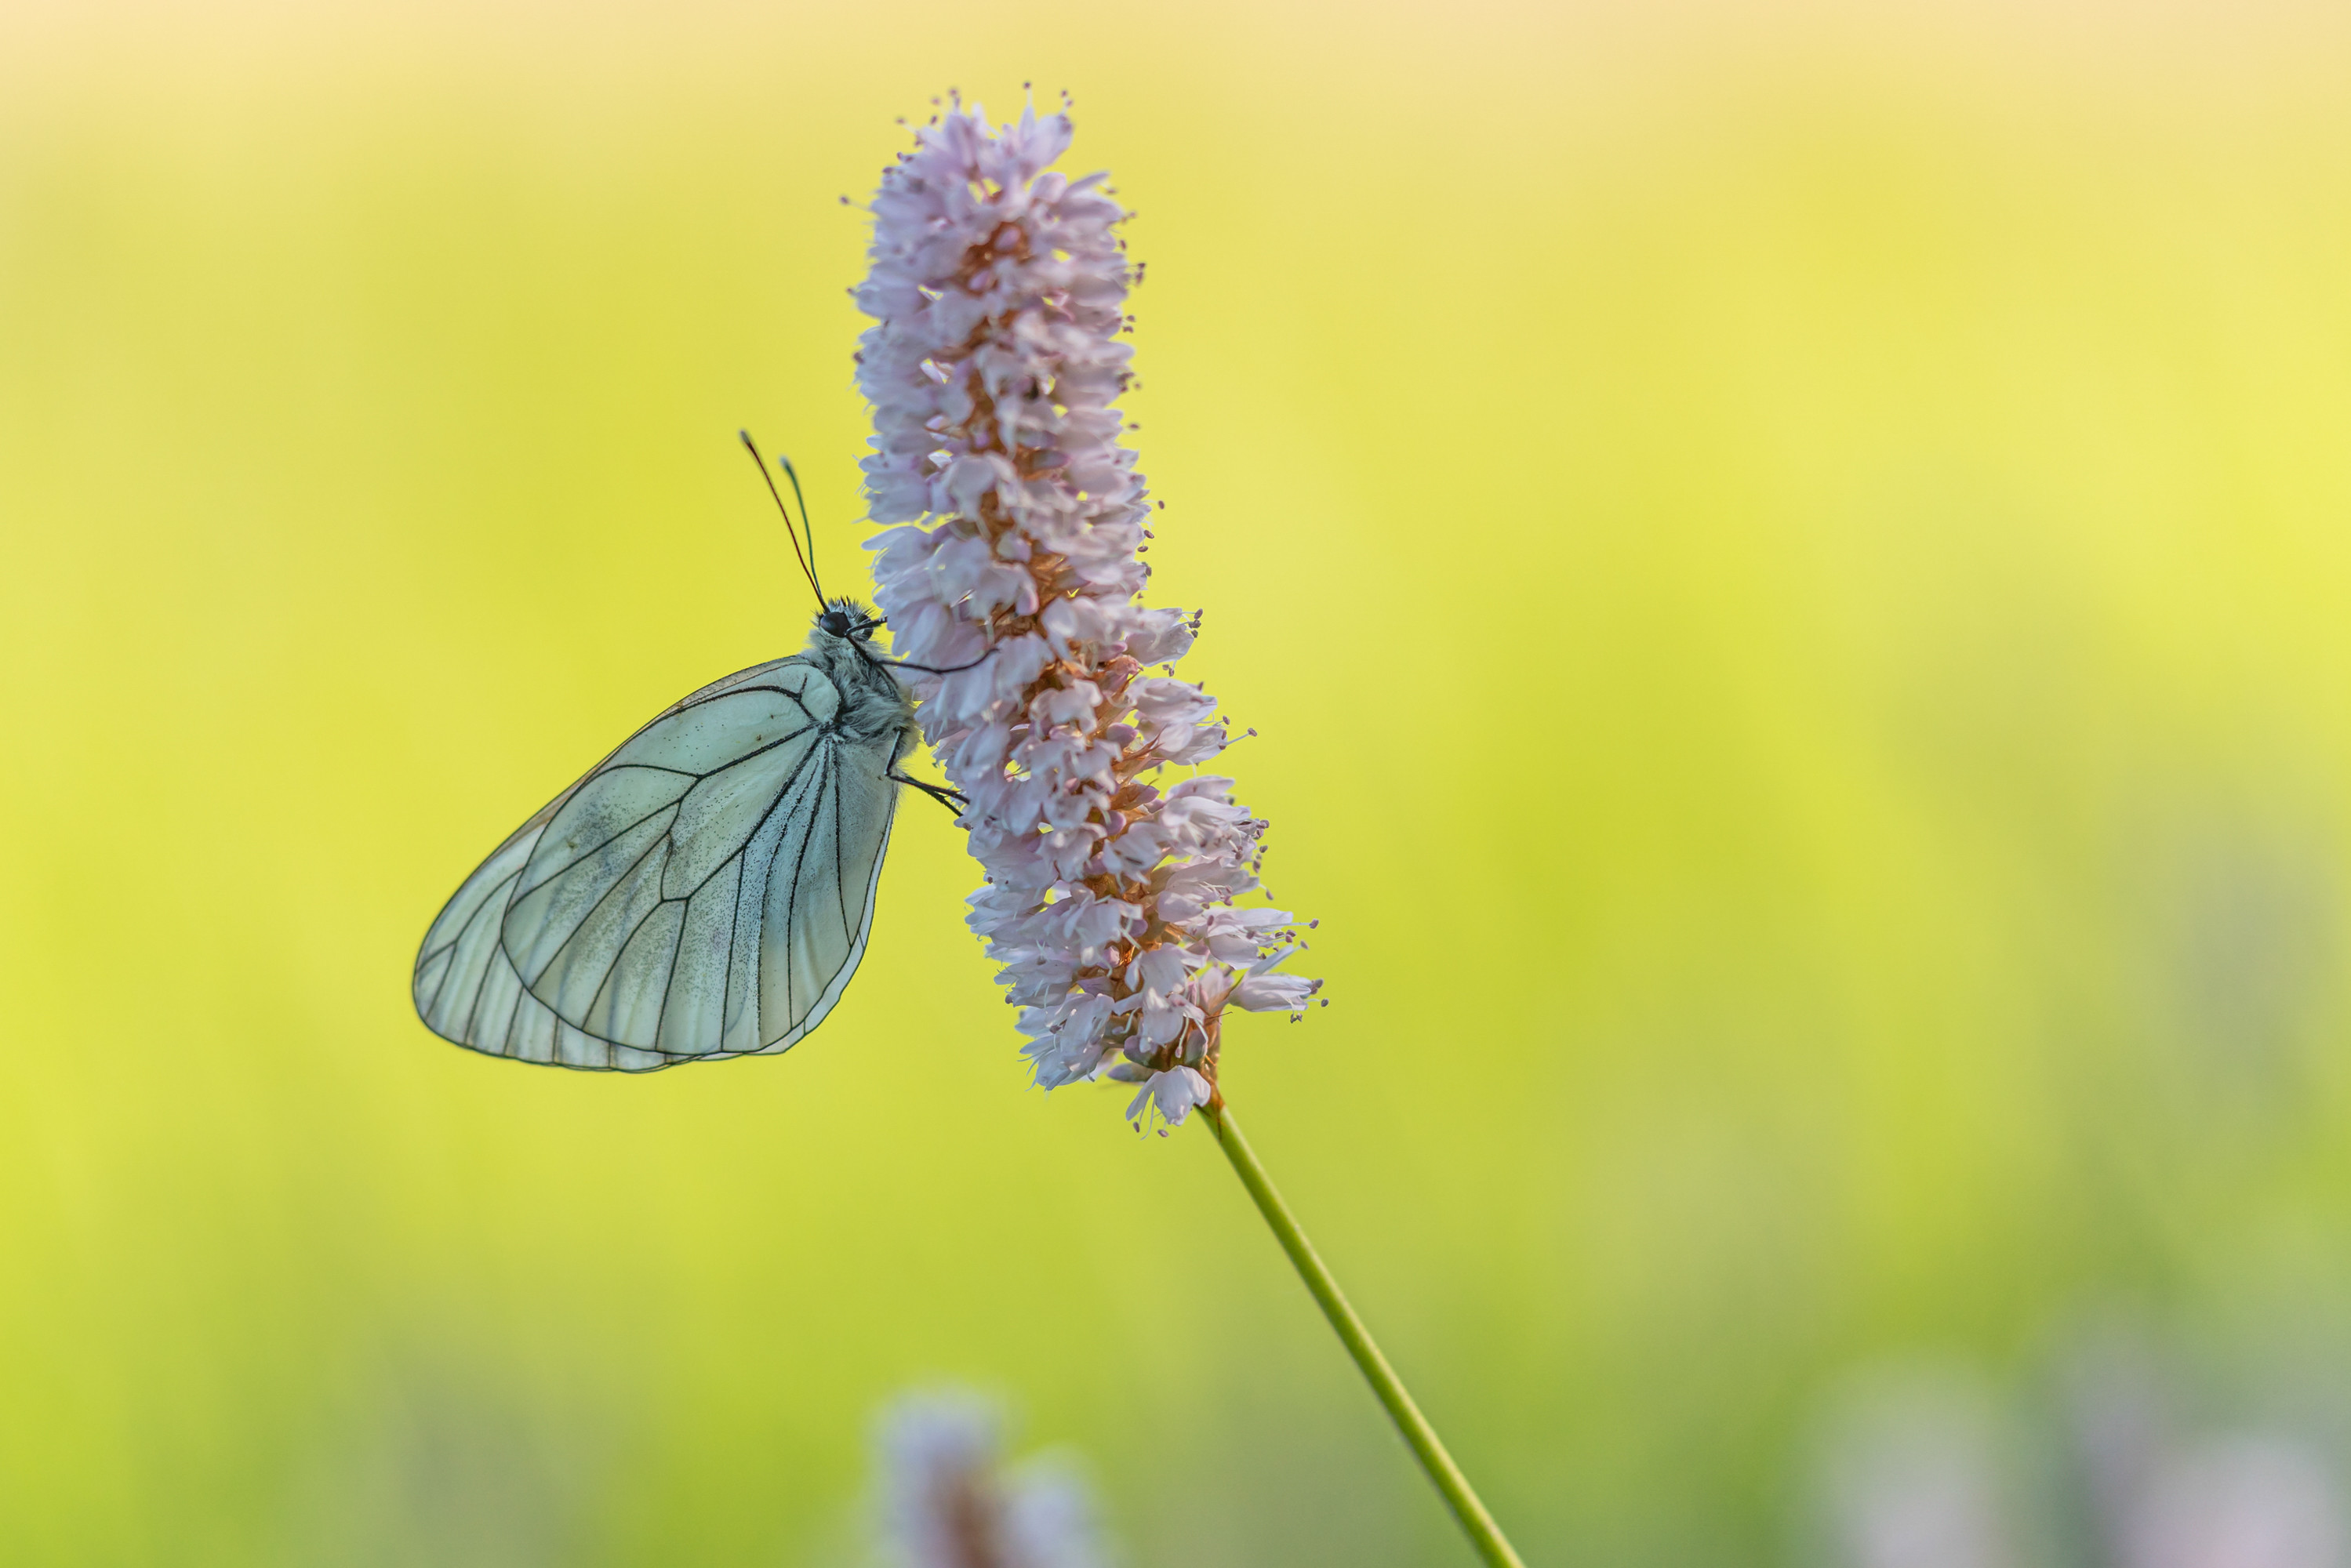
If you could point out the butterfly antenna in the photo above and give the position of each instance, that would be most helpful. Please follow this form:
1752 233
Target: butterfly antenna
806 526
807 561
791 533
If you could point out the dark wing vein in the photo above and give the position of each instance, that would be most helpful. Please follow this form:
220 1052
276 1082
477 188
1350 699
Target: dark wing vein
792 897
611 839
734 929
426 957
619 882
449 946
514 1009
839 876
621 947
783 792
676 948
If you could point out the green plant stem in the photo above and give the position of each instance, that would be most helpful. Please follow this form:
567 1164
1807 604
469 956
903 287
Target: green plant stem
1483 1532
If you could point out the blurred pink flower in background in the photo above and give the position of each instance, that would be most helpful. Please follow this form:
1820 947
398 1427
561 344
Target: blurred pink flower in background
1925 1469
1911 1477
947 1501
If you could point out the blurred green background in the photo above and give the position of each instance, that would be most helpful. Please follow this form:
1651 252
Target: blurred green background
1791 562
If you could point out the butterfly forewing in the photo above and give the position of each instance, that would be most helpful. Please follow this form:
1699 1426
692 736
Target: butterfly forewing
707 890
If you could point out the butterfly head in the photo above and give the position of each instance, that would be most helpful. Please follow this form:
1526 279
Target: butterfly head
848 620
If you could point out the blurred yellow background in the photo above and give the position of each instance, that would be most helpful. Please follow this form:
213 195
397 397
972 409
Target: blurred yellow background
1790 564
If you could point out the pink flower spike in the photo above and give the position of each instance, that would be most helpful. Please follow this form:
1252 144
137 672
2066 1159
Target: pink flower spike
1012 526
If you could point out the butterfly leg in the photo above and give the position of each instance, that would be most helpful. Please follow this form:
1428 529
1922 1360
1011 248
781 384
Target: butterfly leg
879 662
955 800
933 669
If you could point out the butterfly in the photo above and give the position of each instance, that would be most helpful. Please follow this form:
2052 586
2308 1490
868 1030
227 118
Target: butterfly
706 891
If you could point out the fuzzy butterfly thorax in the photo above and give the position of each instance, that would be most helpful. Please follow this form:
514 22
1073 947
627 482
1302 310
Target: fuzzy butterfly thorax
873 702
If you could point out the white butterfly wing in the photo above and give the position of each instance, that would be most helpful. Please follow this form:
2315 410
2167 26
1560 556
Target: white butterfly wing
704 891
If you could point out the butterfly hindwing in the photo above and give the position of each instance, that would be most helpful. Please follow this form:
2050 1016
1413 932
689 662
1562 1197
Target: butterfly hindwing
707 890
